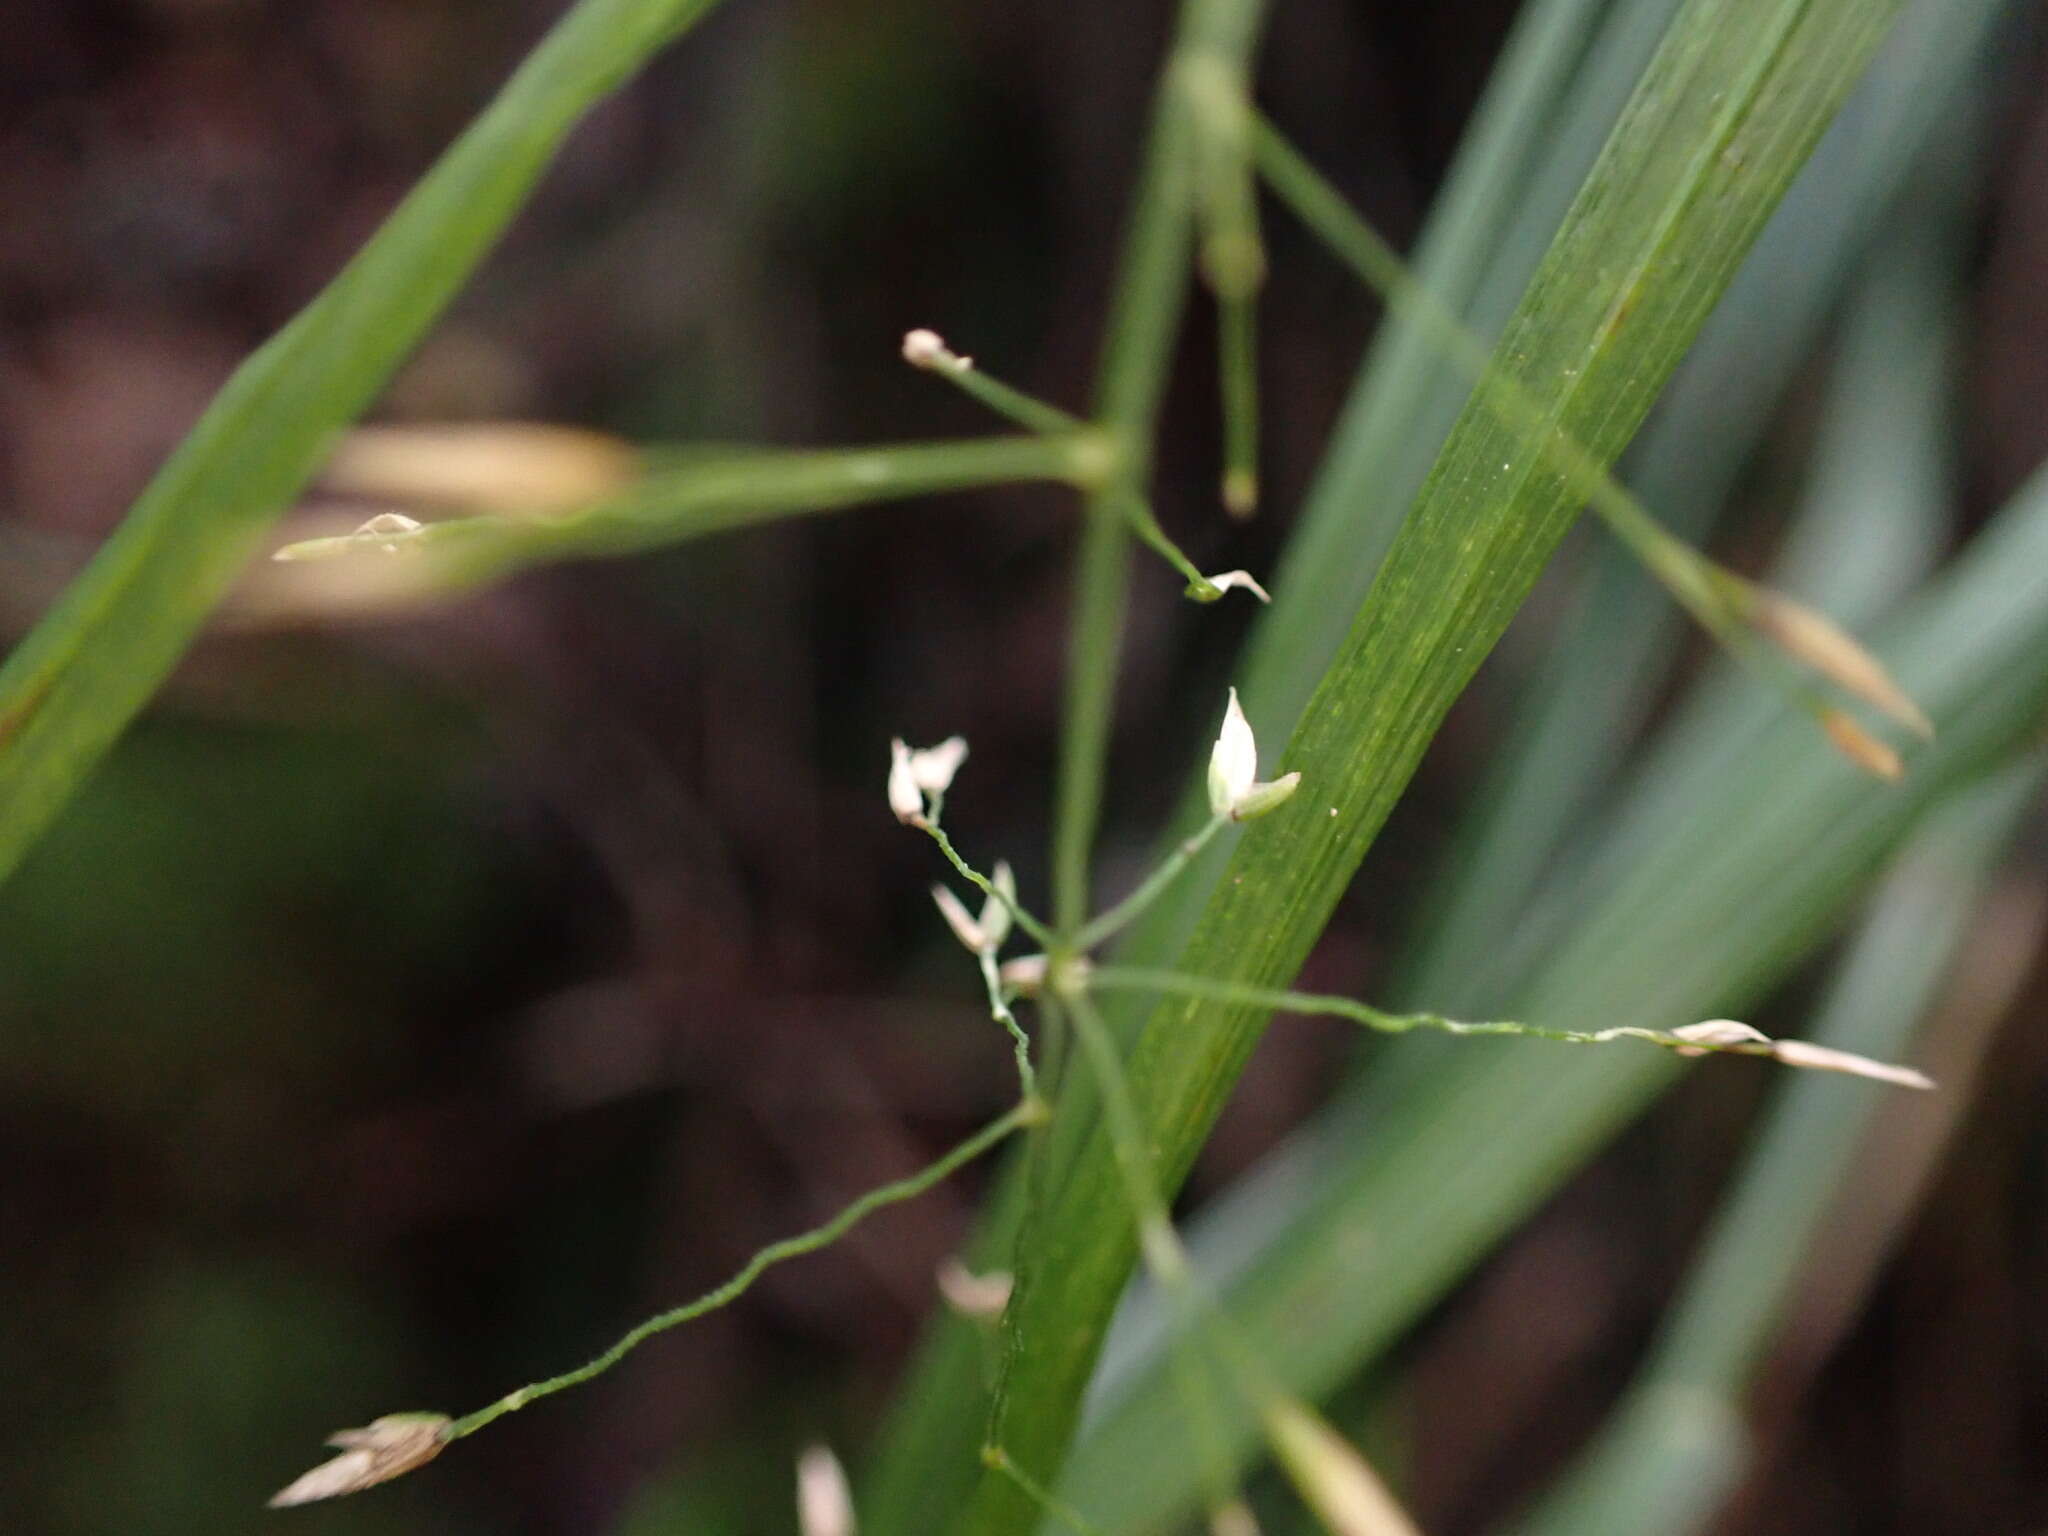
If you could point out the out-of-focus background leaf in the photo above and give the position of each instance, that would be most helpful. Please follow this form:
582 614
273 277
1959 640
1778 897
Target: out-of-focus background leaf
405 1008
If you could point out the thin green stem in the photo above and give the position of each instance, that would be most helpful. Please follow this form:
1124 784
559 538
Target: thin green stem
1285 1418
1151 290
1133 906
1217 89
1359 246
1714 1037
1150 293
1709 141
997 1460
999 1010
1237 322
1053 1025
734 491
982 883
1165 1257
1006 400
1028 1112
1146 526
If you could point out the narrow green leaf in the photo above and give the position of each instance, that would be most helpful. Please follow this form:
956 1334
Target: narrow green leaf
1561 81
70 688
1599 679
1703 918
1720 123
1875 501
1532 97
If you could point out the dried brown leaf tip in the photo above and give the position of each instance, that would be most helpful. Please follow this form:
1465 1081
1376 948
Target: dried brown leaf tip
381 1450
1816 641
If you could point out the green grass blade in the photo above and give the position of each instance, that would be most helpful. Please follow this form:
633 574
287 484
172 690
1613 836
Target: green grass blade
928 1451
1562 79
1598 681
1881 485
1702 920
1721 122
1532 98
1875 508
75 682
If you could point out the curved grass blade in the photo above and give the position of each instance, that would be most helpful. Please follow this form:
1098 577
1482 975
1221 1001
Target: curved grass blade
71 687
1720 123
1706 919
1868 549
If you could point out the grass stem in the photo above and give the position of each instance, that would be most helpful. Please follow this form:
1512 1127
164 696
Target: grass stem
1119 917
1026 1112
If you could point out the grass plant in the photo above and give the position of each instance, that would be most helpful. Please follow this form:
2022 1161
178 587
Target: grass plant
1555 294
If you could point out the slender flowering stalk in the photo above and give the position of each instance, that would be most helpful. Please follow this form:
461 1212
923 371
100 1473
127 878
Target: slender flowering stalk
1235 794
1165 1258
1019 914
1232 258
984 936
927 350
1101 929
1712 1036
992 926
1203 589
1026 1113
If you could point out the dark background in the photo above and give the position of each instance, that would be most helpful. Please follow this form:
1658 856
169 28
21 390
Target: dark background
409 1007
